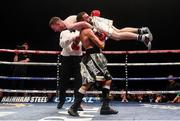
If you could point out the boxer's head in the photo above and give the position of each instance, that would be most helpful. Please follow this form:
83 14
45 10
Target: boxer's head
56 24
83 16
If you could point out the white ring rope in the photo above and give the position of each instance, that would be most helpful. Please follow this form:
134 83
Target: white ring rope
121 79
90 92
109 64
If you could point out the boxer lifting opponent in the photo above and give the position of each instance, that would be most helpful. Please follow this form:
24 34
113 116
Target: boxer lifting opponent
93 69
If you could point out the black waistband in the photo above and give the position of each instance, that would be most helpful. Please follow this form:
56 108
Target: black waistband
93 50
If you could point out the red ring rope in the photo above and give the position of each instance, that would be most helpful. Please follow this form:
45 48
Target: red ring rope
105 52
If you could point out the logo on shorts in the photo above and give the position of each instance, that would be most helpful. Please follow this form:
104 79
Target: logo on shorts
92 67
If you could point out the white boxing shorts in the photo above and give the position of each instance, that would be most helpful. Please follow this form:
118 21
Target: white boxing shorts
103 25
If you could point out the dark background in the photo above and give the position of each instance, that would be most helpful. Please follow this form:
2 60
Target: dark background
27 20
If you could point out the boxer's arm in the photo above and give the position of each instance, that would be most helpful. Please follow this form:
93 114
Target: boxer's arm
80 25
94 38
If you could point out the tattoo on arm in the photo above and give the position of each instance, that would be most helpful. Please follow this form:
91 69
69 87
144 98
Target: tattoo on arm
95 39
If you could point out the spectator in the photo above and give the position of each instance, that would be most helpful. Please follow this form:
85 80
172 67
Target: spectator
1 95
123 96
20 70
176 99
172 85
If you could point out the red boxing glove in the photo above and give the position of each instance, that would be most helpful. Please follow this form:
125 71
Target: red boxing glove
102 36
96 13
75 47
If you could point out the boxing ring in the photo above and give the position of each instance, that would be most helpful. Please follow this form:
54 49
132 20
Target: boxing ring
34 108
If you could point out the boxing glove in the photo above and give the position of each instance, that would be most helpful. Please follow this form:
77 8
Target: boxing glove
102 36
96 13
75 47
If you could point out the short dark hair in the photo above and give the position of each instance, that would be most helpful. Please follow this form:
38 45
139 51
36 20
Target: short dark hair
80 16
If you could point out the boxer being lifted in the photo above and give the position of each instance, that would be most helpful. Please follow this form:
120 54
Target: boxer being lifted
106 26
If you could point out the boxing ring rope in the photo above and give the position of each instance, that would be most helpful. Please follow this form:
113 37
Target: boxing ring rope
126 64
121 79
105 52
109 64
91 92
